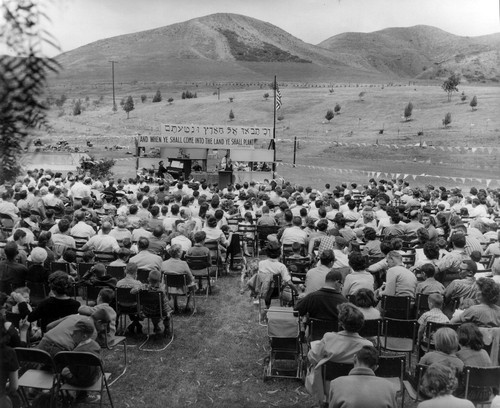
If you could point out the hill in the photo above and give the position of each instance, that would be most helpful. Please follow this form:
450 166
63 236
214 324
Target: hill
421 52
231 47
216 47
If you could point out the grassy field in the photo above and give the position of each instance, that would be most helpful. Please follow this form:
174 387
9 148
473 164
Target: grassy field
215 360
360 121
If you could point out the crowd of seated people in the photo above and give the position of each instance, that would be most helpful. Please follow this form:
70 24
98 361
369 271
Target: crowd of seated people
384 239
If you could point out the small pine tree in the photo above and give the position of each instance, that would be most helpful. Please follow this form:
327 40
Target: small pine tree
231 98
473 102
183 96
231 115
128 106
463 97
337 108
447 119
266 96
329 115
122 102
195 95
143 98
77 108
170 100
408 111
157 97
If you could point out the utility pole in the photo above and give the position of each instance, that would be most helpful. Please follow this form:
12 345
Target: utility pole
294 149
113 79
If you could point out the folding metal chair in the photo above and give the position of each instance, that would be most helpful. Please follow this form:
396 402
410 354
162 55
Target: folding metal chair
481 378
151 306
176 285
396 307
142 275
117 272
40 379
393 369
111 345
72 358
318 328
399 336
414 390
126 303
330 371
200 268
38 292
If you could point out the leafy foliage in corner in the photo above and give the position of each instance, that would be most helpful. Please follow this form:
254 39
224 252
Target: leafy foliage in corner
97 168
23 77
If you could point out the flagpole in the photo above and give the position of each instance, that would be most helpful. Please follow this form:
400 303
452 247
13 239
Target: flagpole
275 85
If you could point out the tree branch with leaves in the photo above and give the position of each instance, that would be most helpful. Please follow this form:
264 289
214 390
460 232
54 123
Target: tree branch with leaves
23 77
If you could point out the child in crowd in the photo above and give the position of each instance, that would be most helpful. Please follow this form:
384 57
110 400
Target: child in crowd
446 340
88 257
252 268
69 257
156 285
83 376
429 285
434 314
20 301
476 257
247 222
104 300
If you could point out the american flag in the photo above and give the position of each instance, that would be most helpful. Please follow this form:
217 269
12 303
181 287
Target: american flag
278 98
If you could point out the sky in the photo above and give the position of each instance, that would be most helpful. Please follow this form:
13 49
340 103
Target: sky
78 22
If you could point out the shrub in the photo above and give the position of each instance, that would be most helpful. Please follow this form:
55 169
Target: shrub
97 168
408 111
337 108
170 100
144 98
447 119
77 108
128 106
329 115
473 102
157 97
231 115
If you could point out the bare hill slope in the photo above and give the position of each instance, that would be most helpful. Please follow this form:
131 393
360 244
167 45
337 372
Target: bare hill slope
420 52
231 47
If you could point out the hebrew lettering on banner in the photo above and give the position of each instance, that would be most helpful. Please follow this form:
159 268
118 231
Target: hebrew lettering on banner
208 137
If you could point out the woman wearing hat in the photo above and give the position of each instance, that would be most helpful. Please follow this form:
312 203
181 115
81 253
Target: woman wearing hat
37 271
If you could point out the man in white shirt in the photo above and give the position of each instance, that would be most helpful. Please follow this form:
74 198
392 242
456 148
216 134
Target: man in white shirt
103 242
81 228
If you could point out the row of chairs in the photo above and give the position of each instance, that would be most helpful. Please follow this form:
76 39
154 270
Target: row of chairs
393 368
50 377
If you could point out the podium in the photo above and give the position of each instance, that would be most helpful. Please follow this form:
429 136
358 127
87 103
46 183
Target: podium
225 178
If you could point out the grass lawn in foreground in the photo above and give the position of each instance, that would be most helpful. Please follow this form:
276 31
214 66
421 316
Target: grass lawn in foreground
216 359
